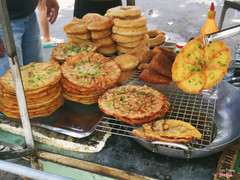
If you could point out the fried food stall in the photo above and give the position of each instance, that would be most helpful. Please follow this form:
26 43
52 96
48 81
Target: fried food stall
79 140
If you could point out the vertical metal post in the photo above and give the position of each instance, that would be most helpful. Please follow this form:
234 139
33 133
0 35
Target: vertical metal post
13 61
130 2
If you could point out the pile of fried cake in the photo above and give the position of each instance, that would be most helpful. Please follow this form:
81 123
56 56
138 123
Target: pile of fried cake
87 76
92 27
129 27
120 30
42 87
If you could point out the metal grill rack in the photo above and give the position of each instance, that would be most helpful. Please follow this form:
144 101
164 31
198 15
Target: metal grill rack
196 109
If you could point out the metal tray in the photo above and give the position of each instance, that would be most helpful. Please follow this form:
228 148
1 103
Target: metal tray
73 119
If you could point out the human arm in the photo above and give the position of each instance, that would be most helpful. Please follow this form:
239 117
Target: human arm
52 10
2 49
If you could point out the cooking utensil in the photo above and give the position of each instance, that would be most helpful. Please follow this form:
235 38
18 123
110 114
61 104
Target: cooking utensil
219 35
214 112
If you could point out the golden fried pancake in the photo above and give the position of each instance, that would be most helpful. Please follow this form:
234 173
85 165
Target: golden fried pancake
134 103
169 130
65 50
198 66
35 76
91 70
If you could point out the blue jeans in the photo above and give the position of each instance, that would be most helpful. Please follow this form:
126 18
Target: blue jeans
28 42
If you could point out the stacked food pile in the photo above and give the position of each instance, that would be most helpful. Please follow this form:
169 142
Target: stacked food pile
76 30
156 65
134 104
198 67
129 29
42 87
88 76
64 50
92 27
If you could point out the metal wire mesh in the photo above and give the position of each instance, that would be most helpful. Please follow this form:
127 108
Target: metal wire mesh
196 109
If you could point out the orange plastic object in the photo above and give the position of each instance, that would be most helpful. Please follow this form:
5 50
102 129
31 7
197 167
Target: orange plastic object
210 25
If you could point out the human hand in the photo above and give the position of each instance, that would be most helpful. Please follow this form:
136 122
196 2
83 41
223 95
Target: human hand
2 48
52 10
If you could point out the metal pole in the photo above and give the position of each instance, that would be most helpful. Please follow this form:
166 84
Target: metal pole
29 172
13 61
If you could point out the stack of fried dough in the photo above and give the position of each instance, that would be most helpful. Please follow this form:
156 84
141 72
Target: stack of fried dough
100 27
76 30
169 130
92 27
156 65
88 76
42 87
129 29
64 50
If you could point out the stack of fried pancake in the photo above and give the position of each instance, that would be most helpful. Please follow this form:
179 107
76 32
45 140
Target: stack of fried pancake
88 76
100 27
76 30
42 87
92 27
64 50
129 29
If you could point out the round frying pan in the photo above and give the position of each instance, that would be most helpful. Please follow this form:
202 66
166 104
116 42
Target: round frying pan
226 119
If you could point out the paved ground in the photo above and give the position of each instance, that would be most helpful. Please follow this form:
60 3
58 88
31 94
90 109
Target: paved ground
180 19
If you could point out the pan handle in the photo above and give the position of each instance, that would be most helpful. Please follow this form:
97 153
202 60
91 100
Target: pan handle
171 144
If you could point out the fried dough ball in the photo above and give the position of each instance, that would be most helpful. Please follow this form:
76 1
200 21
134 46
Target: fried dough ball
127 62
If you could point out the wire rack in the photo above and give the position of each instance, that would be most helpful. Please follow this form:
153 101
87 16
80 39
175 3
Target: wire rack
196 109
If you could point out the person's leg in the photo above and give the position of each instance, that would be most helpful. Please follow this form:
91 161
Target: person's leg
18 30
31 42
43 19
